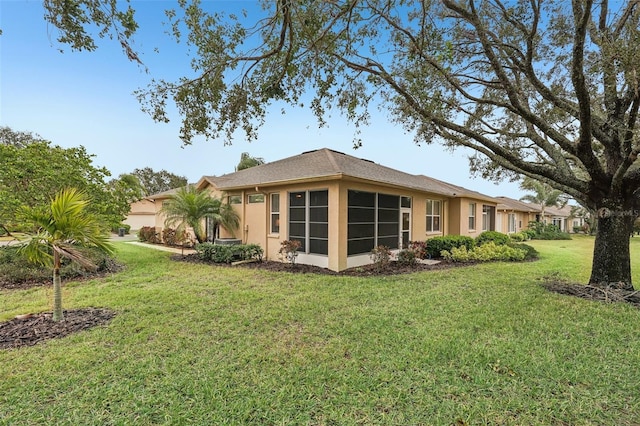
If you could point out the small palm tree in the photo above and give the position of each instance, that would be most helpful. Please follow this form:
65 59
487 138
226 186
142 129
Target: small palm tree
543 195
224 216
190 207
63 228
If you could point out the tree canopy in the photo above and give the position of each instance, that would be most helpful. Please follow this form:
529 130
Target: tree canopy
543 88
34 170
153 182
543 195
247 161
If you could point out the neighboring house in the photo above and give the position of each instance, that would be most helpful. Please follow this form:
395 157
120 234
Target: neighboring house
142 213
561 217
340 207
514 215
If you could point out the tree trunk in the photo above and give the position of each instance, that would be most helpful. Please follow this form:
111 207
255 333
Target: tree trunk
57 288
611 254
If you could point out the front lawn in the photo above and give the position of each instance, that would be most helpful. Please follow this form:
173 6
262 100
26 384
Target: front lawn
199 344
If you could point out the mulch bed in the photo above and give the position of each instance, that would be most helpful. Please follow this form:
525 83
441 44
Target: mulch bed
392 268
40 327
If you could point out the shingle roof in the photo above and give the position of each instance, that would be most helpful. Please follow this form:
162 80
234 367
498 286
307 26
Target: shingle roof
327 164
506 203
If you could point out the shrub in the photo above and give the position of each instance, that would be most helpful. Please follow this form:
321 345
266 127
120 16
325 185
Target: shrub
171 237
381 256
289 250
148 234
407 257
518 237
530 252
419 248
497 237
544 231
227 253
488 251
436 245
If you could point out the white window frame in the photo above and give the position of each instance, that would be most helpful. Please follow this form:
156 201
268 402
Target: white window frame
274 212
511 221
431 204
472 216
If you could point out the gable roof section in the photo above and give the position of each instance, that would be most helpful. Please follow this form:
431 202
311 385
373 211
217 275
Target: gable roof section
328 164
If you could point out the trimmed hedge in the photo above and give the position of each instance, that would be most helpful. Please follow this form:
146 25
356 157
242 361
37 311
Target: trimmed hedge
486 252
497 237
228 253
436 245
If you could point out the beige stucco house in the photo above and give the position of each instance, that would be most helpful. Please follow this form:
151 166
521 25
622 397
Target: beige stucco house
514 216
340 207
142 213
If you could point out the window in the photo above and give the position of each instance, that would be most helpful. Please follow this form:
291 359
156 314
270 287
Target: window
255 198
235 199
485 217
472 216
433 215
373 219
309 220
275 213
557 222
512 222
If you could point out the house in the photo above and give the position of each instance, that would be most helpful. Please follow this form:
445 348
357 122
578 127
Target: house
145 212
340 207
142 213
514 216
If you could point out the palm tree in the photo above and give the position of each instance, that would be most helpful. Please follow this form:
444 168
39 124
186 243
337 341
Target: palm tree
190 207
63 228
223 215
543 195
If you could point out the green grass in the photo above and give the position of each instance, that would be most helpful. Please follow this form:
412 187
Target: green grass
197 344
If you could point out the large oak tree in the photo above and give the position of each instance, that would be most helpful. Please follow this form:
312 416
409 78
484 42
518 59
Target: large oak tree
548 89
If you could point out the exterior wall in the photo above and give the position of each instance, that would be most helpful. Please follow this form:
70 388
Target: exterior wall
522 221
458 215
142 213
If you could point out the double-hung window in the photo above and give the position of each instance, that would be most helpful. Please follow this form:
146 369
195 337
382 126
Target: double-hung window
275 213
472 216
433 215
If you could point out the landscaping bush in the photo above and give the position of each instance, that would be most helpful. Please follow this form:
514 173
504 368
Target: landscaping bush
489 251
518 237
436 245
497 237
171 237
380 256
289 250
419 248
530 252
543 231
228 253
407 257
148 234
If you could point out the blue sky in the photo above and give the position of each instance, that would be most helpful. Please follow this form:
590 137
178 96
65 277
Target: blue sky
85 98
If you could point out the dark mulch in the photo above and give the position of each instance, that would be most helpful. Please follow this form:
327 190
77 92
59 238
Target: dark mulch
392 268
40 327
610 294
